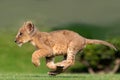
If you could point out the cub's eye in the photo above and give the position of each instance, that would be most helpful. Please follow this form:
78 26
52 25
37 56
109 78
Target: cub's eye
21 34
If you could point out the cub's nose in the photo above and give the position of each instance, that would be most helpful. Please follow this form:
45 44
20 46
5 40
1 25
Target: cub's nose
15 41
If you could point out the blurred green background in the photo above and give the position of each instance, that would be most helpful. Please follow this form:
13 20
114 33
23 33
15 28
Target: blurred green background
99 19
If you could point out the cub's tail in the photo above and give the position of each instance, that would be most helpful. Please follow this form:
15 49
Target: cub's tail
93 41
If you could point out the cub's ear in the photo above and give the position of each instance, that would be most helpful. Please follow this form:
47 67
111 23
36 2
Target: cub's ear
29 26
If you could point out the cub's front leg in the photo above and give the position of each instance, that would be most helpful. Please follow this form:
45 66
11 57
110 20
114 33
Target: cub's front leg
56 69
39 54
51 65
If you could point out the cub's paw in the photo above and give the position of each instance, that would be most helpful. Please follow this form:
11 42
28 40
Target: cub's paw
36 63
59 68
52 73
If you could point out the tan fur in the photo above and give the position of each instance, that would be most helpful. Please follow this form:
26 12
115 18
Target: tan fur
49 45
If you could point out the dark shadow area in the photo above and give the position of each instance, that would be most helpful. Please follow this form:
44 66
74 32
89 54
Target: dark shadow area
90 31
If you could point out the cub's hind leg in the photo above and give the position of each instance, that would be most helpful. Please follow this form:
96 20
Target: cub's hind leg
69 60
73 48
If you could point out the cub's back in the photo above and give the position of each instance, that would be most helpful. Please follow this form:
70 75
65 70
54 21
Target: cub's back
65 35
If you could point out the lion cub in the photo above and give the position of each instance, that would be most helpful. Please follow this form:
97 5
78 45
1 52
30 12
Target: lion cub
49 45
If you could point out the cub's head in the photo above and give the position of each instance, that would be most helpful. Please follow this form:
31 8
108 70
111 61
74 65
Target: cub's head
24 33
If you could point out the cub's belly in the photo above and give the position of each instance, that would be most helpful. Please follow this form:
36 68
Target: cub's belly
59 49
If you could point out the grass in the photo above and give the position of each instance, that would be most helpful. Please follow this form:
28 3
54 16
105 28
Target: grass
20 76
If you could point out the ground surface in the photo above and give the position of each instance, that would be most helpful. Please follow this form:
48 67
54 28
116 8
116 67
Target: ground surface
19 76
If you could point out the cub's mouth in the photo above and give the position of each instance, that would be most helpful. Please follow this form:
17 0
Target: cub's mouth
19 43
